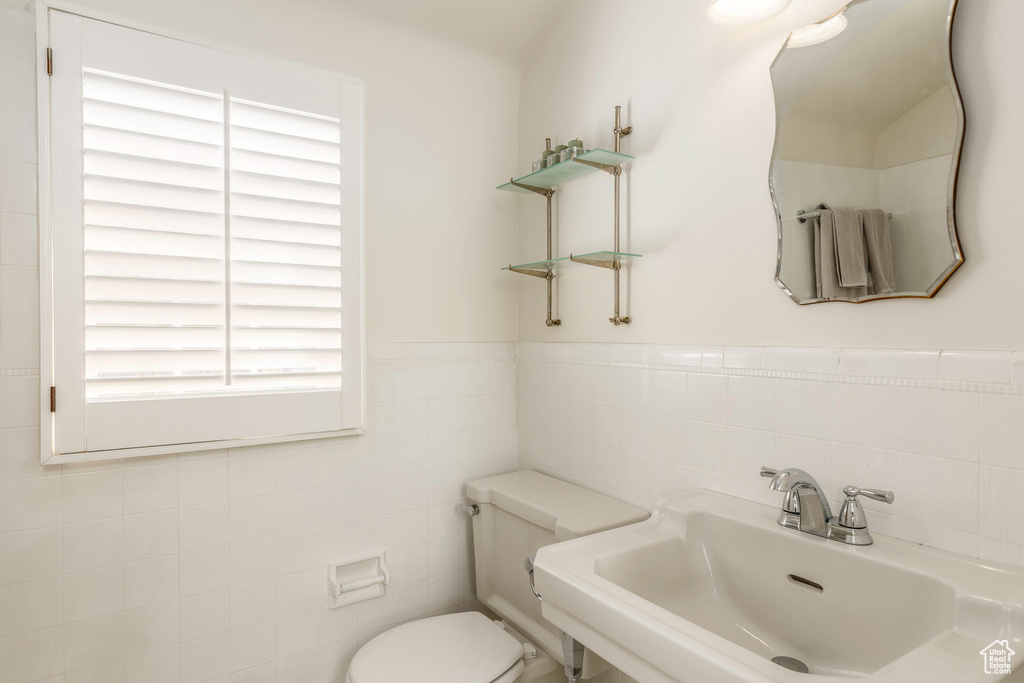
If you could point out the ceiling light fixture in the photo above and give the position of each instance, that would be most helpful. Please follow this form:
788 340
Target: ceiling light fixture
818 33
743 12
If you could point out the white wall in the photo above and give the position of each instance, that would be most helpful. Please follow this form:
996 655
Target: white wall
928 130
212 566
440 135
696 199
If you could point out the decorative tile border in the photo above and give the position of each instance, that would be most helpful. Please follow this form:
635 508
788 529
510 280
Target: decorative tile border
894 367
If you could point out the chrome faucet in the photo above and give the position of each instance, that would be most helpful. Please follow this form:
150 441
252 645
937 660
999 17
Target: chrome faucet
806 509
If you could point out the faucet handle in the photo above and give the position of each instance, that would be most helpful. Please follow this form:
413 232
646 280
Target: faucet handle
851 515
874 494
791 503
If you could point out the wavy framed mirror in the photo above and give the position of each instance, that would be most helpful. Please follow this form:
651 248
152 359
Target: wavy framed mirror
869 131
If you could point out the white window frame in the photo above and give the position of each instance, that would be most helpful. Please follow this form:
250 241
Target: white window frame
353 342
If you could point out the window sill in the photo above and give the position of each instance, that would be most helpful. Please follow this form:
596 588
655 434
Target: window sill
93 456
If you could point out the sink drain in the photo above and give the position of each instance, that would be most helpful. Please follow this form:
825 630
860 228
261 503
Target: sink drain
791 663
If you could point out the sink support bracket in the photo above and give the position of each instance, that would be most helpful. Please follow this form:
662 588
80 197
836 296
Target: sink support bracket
572 657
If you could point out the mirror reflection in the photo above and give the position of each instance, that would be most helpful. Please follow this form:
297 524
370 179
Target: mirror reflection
863 175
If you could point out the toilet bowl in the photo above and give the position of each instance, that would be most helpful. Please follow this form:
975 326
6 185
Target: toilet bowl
453 648
515 515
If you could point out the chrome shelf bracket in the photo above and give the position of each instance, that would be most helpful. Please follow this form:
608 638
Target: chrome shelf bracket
619 132
548 193
545 274
614 265
607 168
610 265
542 191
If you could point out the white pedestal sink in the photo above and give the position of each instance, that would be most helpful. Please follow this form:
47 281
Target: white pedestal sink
710 590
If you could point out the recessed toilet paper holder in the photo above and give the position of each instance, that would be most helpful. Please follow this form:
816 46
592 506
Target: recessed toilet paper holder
357 578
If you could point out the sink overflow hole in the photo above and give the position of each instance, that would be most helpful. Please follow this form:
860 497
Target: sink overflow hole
807 582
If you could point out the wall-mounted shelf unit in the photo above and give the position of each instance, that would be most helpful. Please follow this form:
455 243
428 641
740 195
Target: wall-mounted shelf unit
559 174
543 183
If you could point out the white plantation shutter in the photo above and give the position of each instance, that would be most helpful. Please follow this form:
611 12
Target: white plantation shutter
154 225
206 243
285 226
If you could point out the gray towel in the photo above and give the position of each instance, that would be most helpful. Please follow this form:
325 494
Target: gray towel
878 239
826 275
850 252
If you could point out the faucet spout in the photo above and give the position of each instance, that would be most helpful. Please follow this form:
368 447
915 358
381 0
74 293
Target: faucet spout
806 507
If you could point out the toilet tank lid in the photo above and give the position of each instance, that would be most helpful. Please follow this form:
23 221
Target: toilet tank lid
567 510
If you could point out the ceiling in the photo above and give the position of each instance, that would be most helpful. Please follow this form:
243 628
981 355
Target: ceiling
497 28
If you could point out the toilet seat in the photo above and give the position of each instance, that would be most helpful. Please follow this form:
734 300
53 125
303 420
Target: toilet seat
453 648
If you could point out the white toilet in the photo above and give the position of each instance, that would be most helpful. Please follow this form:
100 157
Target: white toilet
518 513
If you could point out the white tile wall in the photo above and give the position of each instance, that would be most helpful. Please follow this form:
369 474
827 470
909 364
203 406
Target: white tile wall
212 566
19 308
942 429
915 193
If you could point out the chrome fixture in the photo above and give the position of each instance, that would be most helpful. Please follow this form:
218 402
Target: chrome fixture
806 509
471 509
528 564
548 273
572 657
804 216
542 182
614 265
852 526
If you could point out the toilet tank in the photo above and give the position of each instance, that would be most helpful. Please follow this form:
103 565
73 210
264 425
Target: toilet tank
519 513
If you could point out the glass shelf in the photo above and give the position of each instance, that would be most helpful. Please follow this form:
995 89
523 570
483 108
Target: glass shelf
537 266
605 256
604 259
547 178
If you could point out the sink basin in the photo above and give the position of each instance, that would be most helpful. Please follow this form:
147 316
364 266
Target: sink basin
710 590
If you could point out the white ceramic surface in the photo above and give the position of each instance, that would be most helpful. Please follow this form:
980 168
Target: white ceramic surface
704 591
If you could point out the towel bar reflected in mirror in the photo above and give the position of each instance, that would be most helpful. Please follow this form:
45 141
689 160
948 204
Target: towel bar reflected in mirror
804 216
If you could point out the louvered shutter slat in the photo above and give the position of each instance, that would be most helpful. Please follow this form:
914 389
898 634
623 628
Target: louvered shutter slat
154 203
155 258
285 247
